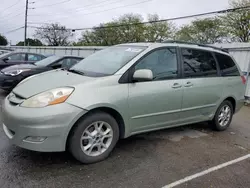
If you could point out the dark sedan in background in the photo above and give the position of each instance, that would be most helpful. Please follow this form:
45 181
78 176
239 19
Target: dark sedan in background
11 76
15 58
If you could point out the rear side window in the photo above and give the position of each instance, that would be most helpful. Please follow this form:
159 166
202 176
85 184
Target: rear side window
227 65
198 63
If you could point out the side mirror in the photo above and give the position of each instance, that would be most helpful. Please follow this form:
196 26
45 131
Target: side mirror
6 60
143 75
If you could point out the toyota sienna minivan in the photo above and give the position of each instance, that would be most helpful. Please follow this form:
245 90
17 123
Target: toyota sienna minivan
121 91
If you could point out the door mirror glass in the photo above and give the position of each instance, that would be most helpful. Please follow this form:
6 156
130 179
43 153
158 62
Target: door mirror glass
143 75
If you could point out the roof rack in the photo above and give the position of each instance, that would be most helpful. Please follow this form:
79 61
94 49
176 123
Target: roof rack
192 43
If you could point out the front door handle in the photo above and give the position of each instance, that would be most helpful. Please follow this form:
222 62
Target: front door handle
188 84
176 85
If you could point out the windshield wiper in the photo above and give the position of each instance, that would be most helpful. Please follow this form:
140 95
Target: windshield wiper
76 71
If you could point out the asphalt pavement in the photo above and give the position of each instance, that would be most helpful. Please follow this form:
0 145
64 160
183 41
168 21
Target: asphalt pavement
151 160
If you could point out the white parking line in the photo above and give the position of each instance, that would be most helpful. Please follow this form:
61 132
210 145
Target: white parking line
188 178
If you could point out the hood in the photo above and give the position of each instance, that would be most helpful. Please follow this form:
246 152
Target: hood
49 80
19 67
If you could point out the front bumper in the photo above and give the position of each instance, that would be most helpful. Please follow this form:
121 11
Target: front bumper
9 82
52 123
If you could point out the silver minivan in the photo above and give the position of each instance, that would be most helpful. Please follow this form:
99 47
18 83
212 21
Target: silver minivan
121 91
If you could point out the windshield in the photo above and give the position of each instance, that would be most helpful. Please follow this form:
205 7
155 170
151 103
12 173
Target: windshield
4 54
47 61
107 61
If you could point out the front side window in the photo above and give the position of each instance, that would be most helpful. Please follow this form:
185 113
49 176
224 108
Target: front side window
227 65
162 63
108 61
17 57
198 63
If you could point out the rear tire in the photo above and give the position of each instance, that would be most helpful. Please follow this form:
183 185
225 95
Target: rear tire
94 137
223 116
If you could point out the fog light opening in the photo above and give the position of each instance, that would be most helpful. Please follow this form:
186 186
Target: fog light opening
36 139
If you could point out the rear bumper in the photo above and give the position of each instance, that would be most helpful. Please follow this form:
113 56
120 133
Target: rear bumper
239 105
9 82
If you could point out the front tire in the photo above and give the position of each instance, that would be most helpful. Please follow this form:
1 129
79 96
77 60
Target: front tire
223 116
94 137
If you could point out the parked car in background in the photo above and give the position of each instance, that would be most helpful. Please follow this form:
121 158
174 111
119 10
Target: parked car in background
13 58
122 91
11 76
2 51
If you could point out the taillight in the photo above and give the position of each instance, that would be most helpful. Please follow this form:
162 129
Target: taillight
243 79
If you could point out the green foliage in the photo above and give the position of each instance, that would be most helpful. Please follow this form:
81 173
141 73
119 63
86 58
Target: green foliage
30 42
159 31
237 23
232 26
127 28
3 40
208 30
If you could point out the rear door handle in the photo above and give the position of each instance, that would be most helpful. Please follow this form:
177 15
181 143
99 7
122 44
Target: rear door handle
176 85
188 84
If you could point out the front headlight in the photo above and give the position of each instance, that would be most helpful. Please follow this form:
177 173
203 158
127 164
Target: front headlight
15 72
51 97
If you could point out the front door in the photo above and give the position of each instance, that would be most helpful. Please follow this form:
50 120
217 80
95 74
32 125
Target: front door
202 85
156 104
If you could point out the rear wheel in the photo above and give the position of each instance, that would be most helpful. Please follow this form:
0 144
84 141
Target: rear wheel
93 138
223 116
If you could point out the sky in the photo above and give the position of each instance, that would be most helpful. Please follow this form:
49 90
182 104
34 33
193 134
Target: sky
89 13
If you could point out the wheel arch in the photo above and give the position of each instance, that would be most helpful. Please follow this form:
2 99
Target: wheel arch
232 100
111 111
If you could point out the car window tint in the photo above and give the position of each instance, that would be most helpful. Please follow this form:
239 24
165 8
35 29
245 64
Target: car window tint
163 64
69 62
198 63
227 65
17 57
34 57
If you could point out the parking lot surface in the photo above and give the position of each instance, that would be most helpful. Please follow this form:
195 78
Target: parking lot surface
154 159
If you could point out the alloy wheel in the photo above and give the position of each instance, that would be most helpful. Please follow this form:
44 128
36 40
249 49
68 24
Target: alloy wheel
96 138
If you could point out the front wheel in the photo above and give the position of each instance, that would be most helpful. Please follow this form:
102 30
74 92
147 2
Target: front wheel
223 116
93 138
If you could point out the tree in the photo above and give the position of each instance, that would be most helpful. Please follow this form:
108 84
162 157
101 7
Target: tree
54 34
125 29
115 32
237 23
159 31
30 42
132 29
3 40
208 30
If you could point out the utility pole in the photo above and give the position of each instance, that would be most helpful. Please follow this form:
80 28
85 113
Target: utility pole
25 23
